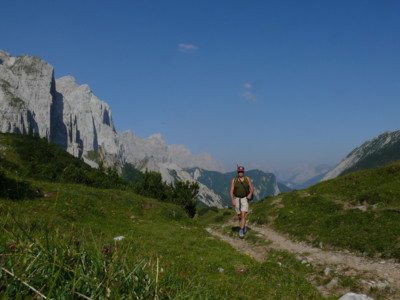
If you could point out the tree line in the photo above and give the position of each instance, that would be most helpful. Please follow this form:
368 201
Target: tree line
46 161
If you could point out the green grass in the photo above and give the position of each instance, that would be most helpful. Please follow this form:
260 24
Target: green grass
63 245
213 215
327 212
371 186
59 237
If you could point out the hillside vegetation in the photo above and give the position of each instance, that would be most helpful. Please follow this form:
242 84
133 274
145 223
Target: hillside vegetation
65 240
28 156
359 211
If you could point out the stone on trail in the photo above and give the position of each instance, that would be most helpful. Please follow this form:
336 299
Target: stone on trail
333 284
353 296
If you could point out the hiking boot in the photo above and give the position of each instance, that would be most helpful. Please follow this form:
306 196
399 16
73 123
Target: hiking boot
245 229
241 233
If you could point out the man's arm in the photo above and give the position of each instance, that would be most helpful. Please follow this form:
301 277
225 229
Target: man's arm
251 188
231 192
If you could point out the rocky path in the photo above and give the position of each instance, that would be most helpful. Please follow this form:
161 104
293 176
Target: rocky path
378 274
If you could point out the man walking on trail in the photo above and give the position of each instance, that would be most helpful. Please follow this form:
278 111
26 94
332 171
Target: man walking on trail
241 191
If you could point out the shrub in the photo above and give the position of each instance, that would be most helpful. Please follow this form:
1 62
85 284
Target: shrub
14 189
45 161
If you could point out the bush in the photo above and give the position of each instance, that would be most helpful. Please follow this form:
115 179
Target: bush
203 210
46 161
15 190
130 174
182 193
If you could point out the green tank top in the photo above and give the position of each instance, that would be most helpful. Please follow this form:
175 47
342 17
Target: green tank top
241 189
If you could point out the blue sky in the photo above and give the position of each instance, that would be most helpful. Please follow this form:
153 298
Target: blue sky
261 83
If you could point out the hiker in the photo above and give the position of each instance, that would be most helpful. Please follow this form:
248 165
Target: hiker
241 192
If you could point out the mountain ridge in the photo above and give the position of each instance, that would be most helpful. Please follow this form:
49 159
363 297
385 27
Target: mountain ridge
379 151
70 115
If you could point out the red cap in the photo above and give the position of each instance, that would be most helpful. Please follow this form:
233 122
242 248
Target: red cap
240 169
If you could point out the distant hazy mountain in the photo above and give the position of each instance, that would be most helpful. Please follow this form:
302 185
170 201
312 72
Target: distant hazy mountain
311 181
379 151
283 188
302 175
264 183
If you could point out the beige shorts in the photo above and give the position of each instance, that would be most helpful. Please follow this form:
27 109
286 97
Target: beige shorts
242 204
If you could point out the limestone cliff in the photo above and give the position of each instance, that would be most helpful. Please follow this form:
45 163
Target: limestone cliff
87 123
27 89
70 115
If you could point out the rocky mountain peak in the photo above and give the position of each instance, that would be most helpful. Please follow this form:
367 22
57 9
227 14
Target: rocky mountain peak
67 83
85 122
4 56
375 152
156 136
26 94
69 114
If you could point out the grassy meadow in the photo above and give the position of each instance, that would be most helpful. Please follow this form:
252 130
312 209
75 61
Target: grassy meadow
63 245
63 240
73 232
359 212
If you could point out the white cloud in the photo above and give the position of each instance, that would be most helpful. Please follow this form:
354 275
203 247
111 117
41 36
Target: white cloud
249 96
187 48
247 86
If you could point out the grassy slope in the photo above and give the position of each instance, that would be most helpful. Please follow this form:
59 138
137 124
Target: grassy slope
61 242
81 222
326 213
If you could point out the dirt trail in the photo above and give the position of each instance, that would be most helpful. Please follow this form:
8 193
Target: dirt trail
379 273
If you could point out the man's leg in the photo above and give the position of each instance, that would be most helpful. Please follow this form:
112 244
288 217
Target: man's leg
242 224
242 219
237 208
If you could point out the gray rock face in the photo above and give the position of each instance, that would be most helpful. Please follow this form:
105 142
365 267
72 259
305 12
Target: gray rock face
73 117
84 123
143 153
184 158
70 115
27 89
148 153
